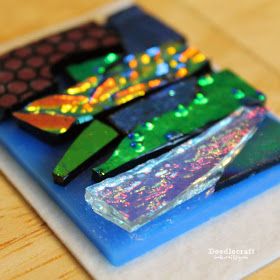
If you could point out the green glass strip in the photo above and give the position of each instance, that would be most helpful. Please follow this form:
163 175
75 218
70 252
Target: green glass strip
220 94
95 137
90 67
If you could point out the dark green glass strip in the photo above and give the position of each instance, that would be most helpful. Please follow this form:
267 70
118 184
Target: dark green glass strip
91 141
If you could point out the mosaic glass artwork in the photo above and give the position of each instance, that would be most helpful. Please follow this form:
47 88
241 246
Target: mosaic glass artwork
128 108
58 124
139 195
135 76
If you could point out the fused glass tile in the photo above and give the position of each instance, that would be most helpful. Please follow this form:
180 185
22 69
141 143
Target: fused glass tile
93 139
140 195
218 96
135 76
106 235
154 105
25 73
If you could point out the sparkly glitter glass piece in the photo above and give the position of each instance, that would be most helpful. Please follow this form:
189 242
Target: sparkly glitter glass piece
216 98
135 76
26 72
93 139
139 195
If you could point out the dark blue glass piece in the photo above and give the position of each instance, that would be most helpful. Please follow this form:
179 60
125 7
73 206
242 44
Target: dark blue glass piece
262 151
154 105
140 31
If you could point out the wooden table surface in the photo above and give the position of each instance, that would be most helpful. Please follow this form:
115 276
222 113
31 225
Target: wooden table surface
240 34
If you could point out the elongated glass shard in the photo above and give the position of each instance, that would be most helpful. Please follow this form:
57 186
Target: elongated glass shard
219 95
135 76
139 195
92 140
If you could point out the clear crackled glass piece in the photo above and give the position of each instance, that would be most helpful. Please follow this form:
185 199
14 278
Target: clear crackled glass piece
145 192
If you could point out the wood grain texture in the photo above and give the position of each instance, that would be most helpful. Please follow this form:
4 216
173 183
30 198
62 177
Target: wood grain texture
239 34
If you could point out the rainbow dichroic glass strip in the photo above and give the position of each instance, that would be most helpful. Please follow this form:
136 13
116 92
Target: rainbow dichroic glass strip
141 194
133 77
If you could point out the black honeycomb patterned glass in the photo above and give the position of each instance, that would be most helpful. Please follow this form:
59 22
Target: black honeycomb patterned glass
26 72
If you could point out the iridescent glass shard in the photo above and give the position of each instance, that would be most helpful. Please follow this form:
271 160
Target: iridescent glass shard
139 195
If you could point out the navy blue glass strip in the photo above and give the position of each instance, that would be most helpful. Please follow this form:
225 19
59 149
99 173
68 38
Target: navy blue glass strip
154 105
